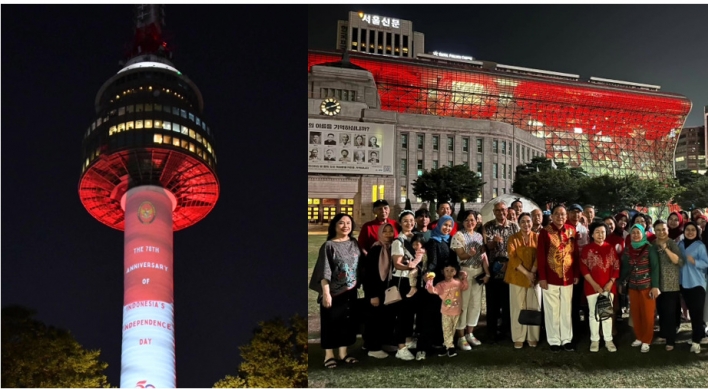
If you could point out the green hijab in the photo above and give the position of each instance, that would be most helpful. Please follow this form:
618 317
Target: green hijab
644 240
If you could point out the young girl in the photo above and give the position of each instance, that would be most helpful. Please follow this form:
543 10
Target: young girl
420 258
450 291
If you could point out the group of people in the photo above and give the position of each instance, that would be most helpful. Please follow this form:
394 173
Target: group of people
423 282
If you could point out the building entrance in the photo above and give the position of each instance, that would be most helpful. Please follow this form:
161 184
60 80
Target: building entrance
321 211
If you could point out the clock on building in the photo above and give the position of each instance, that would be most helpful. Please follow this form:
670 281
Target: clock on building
330 106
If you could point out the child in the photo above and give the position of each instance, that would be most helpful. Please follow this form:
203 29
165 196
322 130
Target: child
420 258
450 291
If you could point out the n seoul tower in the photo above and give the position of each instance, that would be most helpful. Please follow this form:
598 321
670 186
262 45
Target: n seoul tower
148 169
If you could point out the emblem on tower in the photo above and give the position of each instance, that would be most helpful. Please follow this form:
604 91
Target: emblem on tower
146 212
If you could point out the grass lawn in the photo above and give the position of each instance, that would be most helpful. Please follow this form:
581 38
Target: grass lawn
502 366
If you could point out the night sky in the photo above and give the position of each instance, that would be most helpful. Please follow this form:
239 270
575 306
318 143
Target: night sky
653 44
245 262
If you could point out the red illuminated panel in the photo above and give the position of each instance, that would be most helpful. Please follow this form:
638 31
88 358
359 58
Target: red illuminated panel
599 128
106 180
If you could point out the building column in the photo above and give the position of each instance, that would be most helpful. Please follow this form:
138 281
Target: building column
148 349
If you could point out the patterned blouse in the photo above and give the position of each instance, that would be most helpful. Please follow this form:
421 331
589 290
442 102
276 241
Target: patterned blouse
499 251
467 241
670 272
337 263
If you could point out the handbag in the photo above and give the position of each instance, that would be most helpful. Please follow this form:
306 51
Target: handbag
480 278
530 317
393 295
603 307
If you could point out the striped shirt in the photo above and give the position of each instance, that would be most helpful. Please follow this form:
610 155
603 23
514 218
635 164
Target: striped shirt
641 266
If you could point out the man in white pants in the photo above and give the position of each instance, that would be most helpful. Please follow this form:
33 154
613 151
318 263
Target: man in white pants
558 271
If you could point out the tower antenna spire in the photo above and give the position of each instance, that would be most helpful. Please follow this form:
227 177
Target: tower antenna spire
148 21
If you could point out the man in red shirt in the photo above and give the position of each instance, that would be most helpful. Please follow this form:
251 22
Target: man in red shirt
558 271
445 209
370 230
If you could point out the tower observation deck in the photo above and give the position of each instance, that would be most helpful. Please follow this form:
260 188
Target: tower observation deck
148 169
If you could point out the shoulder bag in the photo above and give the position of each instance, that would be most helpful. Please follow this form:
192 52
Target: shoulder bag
530 317
392 294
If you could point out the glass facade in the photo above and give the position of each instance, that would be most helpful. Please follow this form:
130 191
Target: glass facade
602 128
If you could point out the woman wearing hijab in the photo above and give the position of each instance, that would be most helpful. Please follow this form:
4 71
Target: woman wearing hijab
693 281
675 225
377 276
430 319
640 267
640 219
335 279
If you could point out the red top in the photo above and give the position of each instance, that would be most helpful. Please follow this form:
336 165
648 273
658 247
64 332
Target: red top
370 232
616 242
602 263
557 255
452 233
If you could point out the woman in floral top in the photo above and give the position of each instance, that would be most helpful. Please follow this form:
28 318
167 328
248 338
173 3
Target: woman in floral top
469 247
671 260
335 279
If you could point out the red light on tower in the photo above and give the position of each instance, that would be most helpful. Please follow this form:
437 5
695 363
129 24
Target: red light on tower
149 168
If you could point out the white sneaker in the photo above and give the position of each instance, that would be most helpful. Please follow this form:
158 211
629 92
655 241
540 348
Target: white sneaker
645 347
610 346
472 340
637 343
696 348
463 345
378 354
594 347
704 340
420 356
412 344
404 354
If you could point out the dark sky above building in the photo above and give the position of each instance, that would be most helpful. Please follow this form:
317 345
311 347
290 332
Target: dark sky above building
653 44
245 262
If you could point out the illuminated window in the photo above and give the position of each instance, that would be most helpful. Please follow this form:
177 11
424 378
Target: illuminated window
404 193
479 196
175 142
185 130
495 193
191 116
183 113
199 138
175 111
158 123
166 139
420 167
157 138
184 144
191 146
176 127
381 192
374 193
436 140
138 124
317 201
167 125
199 122
148 123
192 134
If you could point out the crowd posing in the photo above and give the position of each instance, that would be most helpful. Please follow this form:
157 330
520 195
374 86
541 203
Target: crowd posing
423 282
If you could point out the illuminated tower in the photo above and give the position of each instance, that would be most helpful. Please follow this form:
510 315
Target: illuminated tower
149 169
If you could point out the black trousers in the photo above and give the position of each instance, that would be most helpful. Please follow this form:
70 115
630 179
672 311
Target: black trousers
338 323
377 326
428 320
402 313
497 299
666 305
579 302
695 298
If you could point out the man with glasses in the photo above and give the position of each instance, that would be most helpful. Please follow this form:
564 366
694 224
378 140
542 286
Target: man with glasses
496 235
